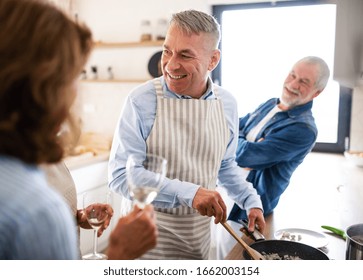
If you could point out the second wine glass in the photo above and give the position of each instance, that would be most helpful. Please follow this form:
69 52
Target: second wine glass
95 207
145 174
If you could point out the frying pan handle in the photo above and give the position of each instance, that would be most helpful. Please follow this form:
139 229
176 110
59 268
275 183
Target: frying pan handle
256 235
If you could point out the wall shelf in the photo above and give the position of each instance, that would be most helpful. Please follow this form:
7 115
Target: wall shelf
116 45
157 43
139 81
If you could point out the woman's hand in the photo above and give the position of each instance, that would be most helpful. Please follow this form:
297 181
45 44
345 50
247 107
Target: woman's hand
101 208
134 234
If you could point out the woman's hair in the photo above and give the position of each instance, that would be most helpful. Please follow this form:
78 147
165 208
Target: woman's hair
195 22
42 52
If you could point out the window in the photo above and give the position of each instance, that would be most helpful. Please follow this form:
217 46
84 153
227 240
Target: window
260 43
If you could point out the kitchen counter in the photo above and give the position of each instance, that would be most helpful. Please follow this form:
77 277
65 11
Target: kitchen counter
82 160
326 189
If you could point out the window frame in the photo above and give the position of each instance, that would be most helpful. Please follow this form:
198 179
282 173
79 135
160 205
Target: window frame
345 94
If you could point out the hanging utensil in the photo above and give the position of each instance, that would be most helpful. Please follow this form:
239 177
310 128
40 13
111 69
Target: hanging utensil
255 255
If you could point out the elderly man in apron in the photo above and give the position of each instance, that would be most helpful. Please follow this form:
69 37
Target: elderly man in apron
185 118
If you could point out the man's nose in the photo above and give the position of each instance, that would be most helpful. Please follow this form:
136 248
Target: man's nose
294 84
173 63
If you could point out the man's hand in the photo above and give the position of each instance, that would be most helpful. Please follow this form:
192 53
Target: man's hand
255 217
210 203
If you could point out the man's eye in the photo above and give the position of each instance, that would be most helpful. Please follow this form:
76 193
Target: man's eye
185 56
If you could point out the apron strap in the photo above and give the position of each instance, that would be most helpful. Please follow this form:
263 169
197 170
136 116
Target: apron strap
158 87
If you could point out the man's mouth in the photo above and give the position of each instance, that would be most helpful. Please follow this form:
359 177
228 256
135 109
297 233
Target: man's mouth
292 91
176 77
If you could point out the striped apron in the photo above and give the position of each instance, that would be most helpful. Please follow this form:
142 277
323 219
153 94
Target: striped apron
192 135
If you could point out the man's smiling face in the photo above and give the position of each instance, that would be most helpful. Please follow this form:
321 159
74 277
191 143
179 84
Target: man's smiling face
187 61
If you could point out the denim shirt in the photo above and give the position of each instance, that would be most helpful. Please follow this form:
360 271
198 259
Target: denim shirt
287 138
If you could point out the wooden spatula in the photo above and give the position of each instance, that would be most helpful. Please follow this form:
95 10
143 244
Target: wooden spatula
255 255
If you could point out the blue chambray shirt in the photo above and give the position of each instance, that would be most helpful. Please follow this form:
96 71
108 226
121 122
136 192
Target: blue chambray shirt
288 137
133 128
35 221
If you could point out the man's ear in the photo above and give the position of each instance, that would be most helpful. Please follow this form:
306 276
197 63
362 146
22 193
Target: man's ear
216 56
317 93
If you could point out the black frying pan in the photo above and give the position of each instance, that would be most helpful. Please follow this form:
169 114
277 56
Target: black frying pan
285 248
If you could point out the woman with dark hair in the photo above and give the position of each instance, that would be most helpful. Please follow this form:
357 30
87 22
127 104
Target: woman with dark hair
42 53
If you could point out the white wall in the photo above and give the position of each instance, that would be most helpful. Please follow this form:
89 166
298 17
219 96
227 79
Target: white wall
119 21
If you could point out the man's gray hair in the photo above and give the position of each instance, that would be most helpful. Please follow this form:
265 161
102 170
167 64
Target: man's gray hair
195 22
324 71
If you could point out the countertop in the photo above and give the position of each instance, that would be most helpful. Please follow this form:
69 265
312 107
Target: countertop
326 189
82 160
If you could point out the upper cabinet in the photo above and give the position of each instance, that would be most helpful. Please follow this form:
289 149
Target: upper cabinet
348 65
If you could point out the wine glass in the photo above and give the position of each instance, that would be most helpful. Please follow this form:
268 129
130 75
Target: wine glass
145 174
95 208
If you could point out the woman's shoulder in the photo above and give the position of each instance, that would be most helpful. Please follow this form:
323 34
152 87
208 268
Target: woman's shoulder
28 190
38 213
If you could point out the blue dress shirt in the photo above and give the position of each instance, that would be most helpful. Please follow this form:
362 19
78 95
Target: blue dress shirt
133 128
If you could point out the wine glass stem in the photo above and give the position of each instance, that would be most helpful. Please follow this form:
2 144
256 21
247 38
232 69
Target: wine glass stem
95 242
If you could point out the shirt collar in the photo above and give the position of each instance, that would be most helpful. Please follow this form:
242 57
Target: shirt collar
208 94
298 110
